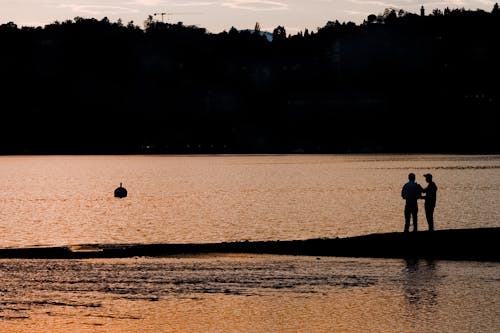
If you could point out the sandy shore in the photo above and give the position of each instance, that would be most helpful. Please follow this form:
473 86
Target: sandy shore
457 244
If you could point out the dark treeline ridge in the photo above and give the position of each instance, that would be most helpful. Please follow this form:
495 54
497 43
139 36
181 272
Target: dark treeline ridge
398 82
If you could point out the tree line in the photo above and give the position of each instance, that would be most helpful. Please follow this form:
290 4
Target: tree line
398 82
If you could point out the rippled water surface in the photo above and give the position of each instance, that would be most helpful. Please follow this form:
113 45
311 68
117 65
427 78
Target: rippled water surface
68 200
235 293
62 200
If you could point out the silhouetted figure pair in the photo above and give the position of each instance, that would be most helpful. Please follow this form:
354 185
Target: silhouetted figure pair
120 192
411 192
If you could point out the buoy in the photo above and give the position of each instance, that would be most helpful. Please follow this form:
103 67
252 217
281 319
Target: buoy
120 192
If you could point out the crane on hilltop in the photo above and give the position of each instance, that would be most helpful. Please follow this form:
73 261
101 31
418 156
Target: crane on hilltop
162 14
152 20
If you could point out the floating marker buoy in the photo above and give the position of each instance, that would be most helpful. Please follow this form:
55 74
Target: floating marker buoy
120 192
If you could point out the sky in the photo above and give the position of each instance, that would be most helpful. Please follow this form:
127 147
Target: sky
219 15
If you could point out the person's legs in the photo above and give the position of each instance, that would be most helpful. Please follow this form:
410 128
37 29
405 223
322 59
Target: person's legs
429 215
407 218
414 213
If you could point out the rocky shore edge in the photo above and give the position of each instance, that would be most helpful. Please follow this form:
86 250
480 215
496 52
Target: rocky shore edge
480 244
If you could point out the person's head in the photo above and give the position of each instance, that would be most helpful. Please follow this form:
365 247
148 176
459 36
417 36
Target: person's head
411 177
428 177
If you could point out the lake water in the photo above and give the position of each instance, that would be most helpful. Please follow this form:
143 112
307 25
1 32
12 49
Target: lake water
67 200
64 200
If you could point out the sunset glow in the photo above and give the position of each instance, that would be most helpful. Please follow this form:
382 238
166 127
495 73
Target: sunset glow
249 166
218 15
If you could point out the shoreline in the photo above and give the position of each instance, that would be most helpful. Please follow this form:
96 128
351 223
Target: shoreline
454 244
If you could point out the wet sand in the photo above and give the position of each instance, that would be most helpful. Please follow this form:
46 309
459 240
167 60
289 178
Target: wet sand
456 244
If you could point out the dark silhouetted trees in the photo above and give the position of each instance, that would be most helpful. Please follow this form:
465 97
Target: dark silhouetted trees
399 82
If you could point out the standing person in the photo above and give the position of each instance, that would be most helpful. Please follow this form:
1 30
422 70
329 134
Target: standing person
430 200
411 192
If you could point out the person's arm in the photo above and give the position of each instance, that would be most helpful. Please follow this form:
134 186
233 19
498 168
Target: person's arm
420 191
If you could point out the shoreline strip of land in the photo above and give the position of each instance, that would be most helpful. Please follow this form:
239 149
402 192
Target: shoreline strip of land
480 244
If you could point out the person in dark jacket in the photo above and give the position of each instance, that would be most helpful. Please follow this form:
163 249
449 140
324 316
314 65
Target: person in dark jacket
430 200
411 192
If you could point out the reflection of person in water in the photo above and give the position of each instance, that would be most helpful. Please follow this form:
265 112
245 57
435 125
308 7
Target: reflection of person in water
430 200
120 192
411 192
420 280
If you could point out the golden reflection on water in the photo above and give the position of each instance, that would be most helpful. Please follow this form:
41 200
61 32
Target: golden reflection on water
343 311
66 200
245 293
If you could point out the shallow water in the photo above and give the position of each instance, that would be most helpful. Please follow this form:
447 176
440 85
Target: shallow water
63 200
241 293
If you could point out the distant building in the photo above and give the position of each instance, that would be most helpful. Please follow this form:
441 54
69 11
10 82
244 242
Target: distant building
268 35
422 11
